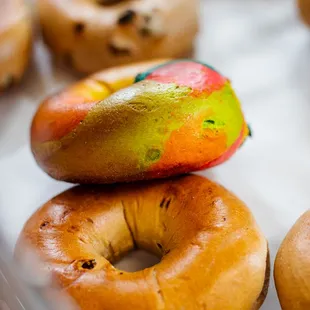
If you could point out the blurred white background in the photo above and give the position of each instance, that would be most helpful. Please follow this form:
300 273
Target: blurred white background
265 50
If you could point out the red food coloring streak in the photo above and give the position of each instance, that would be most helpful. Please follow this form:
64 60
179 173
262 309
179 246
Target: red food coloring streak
198 77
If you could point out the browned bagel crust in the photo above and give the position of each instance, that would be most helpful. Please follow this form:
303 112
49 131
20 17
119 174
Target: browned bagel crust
213 253
260 300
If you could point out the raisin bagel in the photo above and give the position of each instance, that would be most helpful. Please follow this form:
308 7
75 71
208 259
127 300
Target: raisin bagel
91 35
213 255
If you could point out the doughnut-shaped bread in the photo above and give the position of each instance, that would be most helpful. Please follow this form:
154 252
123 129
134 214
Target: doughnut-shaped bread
91 35
178 117
15 41
292 267
304 9
213 254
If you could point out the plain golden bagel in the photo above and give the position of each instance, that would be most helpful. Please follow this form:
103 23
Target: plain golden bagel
137 122
91 35
213 255
292 267
15 41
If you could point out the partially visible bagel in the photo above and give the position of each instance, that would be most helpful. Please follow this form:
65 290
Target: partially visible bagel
94 34
15 41
304 9
292 267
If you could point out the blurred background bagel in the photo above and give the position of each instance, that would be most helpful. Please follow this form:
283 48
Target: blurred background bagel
304 8
91 35
15 41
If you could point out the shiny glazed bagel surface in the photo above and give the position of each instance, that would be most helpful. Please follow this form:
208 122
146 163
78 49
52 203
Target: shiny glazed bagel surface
144 121
91 35
15 41
292 267
213 254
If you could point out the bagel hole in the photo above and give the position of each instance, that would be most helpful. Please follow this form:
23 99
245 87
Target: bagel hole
137 260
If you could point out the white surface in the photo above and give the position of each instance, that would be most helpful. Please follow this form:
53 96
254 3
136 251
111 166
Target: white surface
265 50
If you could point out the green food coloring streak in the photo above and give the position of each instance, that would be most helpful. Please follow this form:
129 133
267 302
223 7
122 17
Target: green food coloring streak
212 124
153 154
250 131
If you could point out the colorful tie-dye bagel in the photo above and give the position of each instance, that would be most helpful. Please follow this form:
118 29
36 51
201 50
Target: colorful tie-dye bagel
143 121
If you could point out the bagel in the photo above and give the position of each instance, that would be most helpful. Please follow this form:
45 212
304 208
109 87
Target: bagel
292 267
91 35
15 41
213 255
177 117
304 10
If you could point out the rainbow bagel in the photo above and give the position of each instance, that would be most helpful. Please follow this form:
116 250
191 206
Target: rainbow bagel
143 121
